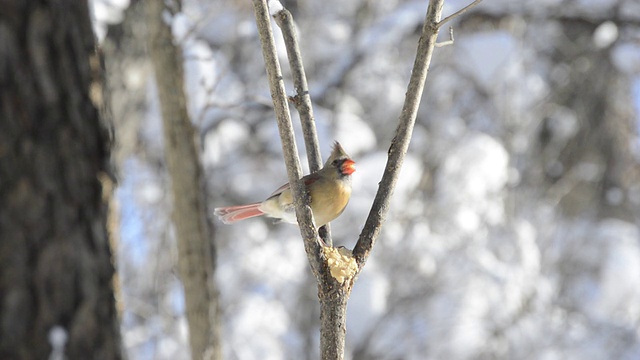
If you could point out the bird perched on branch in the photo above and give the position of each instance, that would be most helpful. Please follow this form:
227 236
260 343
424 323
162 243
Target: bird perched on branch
329 189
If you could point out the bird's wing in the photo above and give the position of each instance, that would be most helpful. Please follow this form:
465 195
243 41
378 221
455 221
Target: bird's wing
280 190
308 180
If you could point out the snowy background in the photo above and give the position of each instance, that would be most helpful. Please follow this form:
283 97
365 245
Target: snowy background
513 232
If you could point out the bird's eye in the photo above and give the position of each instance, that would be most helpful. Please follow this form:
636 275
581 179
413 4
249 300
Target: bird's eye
335 162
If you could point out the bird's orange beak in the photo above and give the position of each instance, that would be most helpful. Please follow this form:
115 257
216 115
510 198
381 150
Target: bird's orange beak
348 167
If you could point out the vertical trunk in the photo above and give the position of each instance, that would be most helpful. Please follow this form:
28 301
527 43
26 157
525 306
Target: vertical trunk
56 296
195 247
333 322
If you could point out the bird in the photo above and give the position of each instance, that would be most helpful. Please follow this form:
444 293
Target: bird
329 190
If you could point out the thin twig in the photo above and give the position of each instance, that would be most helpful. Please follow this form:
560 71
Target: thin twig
400 142
285 127
457 13
448 42
302 100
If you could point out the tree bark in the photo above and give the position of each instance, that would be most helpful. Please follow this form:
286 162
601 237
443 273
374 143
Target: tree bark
196 253
56 270
333 321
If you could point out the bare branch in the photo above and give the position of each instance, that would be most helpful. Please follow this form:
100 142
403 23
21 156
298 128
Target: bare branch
285 127
448 42
401 140
457 13
302 100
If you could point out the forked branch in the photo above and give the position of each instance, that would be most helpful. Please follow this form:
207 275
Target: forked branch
302 100
285 127
334 294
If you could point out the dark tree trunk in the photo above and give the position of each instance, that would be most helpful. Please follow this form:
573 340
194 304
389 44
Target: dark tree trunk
56 268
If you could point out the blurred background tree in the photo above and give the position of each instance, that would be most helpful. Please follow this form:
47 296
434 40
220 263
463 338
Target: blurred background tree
514 228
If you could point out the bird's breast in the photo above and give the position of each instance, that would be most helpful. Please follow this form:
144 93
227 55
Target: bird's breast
328 200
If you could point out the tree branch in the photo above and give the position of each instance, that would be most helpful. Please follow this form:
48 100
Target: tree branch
302 100
457 13
276 85
333 294
447 42
401 140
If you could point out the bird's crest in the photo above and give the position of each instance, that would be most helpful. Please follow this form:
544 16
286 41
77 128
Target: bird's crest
337 153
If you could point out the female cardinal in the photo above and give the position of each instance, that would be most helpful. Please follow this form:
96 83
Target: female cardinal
329 189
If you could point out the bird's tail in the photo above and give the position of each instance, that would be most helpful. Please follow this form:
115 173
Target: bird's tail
231 214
